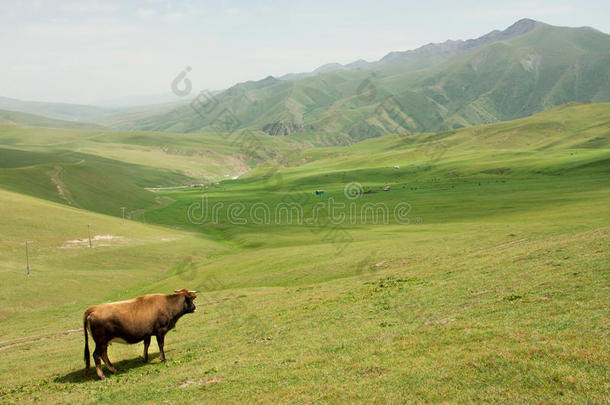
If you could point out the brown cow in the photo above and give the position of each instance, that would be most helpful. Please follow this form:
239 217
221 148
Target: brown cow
133 321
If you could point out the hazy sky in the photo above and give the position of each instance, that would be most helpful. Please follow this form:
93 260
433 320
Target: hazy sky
84 51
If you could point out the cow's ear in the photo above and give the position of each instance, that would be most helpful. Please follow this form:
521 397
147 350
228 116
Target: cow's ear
182 291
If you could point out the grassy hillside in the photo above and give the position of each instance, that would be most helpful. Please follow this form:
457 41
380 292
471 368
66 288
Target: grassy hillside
79 179
64 268
75 167
503 75
492 287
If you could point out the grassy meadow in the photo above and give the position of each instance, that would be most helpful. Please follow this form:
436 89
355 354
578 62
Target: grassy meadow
492 285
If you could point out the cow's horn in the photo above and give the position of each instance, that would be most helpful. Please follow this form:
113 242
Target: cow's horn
193 291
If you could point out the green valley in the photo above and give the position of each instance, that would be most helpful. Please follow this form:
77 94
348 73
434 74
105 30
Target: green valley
481 275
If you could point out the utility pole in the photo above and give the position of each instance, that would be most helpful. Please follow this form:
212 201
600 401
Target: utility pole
27 259
89 234
123 208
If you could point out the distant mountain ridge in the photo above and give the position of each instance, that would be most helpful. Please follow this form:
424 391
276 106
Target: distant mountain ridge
31 120
452 47
502 75
82 116
526 68
58 111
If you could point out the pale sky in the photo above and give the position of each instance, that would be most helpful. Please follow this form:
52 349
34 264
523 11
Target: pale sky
83 51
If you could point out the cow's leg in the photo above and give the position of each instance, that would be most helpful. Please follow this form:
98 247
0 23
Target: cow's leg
160 342
97 356
107 361
146 344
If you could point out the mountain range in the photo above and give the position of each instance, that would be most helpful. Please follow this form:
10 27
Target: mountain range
527 68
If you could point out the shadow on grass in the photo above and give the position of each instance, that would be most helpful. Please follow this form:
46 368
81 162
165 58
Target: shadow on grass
122 366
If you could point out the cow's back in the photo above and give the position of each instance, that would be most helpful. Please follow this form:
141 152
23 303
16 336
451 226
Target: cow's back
130 320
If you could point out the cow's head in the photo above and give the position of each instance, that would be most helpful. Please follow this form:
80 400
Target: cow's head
189 296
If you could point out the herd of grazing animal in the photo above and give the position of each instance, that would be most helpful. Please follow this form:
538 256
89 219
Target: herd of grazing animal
133 321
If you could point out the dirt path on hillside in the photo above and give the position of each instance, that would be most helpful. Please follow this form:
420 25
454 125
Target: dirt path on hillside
160 202
62 189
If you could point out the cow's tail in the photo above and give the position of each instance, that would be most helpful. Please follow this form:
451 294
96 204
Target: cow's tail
87 354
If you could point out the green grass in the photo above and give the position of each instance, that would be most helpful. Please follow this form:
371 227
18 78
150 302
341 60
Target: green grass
75 166
64 268
496 291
